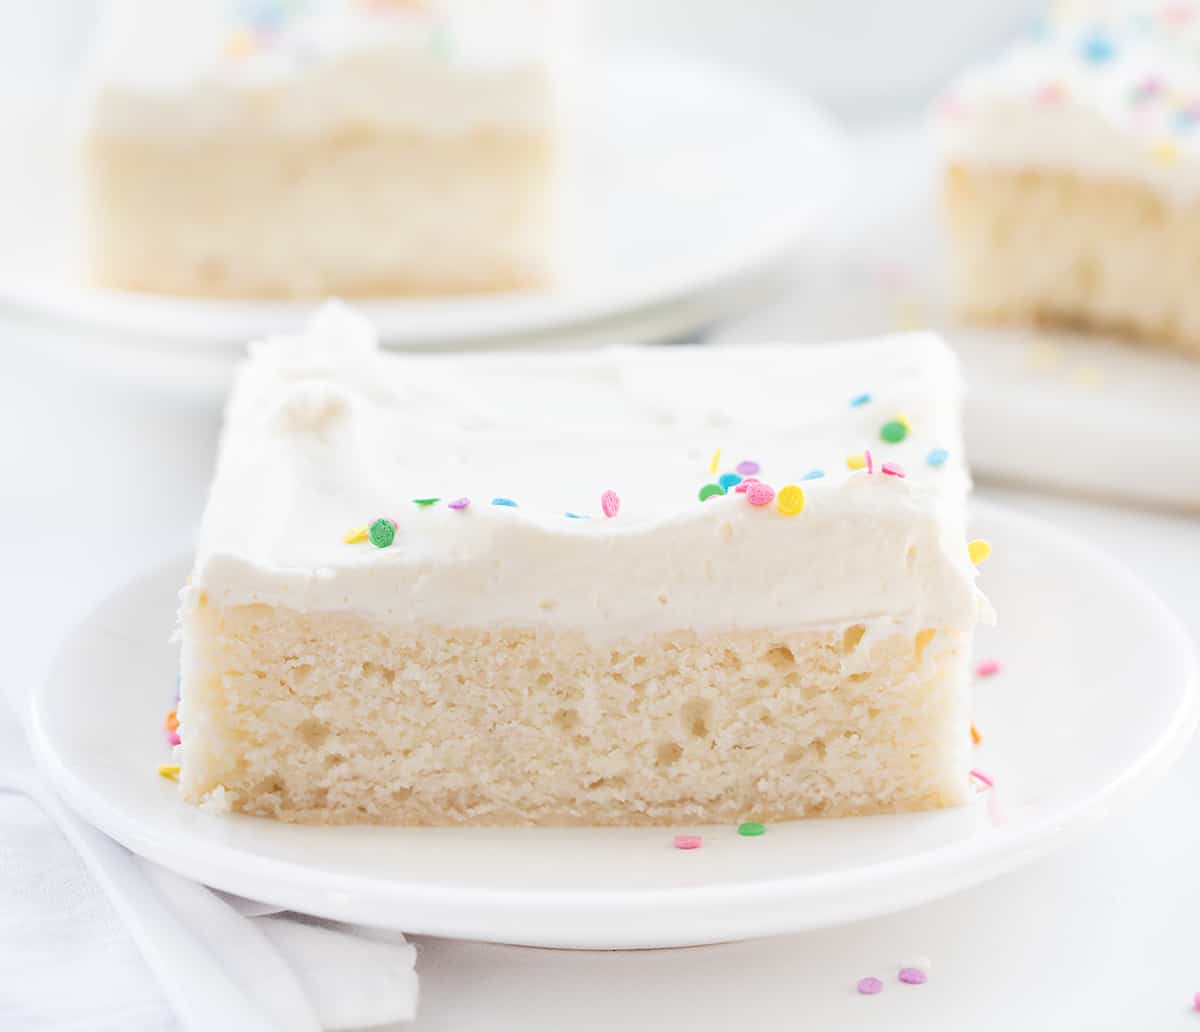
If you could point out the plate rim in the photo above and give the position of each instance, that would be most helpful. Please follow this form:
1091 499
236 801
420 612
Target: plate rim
470 911
215 324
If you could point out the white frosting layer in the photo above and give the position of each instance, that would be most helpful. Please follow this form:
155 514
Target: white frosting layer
1109 90
324 433
178 67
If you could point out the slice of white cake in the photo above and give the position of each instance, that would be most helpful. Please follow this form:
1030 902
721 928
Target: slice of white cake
269 148
1072 174
627 587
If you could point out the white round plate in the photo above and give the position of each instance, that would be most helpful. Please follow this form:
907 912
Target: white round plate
1098 694
685 177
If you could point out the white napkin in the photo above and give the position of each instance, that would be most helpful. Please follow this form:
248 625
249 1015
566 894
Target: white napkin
67 963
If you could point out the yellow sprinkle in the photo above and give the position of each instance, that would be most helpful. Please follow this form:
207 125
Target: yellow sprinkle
354 535
903 421
856 462
790 500
716 461
1165 152
169 770
976 737
978 550
239 43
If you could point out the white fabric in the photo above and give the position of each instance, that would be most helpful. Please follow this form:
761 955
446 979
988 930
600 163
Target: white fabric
78 968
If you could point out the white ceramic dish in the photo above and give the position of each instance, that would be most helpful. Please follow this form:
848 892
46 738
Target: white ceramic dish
1097 696
685 178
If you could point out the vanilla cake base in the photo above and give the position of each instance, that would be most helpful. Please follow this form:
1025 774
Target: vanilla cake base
644 586
1060 248
336 719
354 212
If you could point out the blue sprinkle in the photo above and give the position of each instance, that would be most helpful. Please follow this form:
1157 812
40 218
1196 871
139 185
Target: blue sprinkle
575 516
728 480
1097 49
813 474
937 457
859 399
504 501
1188 119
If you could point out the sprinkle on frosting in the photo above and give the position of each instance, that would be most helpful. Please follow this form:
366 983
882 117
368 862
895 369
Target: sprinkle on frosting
610 504
937 457
791 500
169 771
715 464
892 469
382 533
976 737
868 461
894 431
760 494
982 778
912 976
752 829
979 550
507 503
870 985
859 400
728 480
688 841
855 461
576 516
354 535
459 503
813 474
988 668
708 490
747 467
426 502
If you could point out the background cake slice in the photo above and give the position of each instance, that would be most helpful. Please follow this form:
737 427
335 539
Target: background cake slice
1072 174
316 147
642 586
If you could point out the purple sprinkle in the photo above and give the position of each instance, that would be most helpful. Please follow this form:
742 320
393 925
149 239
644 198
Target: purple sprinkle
913 976
460 503
748 467
870 986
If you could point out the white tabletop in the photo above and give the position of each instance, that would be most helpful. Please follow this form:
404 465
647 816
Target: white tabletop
101 479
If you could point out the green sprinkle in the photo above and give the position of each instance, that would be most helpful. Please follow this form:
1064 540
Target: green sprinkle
426 501
708 490
751 829
893 431
382 533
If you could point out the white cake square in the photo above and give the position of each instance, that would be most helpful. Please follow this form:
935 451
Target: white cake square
315 147
626 587
1072 174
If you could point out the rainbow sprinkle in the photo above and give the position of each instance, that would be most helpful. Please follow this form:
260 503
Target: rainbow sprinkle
169 771
859 400
978 550
912 976
751 829
728 480
855 462
813 474
892 469
425 502
382 532
868 461
747 467
976 737
575 516
894 431
937 457
988 668
869 986
981 777
687 841
708 490
610 504
507 503
715 464
760 494
790 501
459 503
354 535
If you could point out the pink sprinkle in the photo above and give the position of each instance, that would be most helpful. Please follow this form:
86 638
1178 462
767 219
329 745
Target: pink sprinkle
173 737
979 775
460 503
912 976
892 470
1196 1002
870 986
610 503
688 841
869 461
744 486
748 467
988 668
760 494
1051 93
